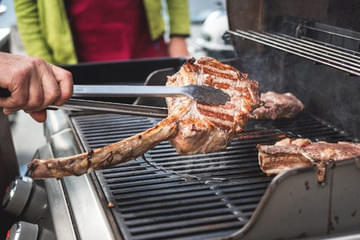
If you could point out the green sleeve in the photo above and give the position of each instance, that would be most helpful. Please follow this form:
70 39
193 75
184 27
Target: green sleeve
179 17
30 30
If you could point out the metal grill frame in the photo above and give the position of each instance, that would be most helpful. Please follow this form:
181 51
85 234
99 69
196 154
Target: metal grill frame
276 201
310 50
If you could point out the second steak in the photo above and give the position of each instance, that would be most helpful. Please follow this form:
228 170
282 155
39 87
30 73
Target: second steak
292 153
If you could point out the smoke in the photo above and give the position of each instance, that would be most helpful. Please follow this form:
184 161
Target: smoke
327 93
266 67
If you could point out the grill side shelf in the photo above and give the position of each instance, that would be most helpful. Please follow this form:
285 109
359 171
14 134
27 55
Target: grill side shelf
300 207
78 192
295 203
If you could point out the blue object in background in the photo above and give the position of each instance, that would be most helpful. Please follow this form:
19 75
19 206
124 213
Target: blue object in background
8 18
200 9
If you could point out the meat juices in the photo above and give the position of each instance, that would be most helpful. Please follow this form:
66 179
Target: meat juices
276 105
292 153
190 126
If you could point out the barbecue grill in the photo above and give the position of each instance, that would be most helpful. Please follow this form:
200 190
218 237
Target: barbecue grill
309 48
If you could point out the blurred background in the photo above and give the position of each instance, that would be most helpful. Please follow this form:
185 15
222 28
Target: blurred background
208 25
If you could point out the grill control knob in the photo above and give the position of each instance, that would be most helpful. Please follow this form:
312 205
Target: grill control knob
23 231
25 199
28 231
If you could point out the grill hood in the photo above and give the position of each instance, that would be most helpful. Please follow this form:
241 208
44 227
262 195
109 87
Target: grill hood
309 48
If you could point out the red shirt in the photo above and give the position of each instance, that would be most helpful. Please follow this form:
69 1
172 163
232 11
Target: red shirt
111 30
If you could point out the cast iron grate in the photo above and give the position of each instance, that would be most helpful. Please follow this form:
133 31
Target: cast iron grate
163 195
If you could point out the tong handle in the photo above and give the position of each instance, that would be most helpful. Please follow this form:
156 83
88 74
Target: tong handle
200 93
126 91
98 106
108 107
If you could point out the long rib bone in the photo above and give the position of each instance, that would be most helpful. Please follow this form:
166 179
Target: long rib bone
110 155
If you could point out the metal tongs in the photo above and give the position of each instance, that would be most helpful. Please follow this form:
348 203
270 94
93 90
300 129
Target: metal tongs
200 93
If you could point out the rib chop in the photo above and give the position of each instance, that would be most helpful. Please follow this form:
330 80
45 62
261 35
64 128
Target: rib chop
292 153
191 127
276 105
206 128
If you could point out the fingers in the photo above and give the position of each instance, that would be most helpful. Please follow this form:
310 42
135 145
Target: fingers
36 94
65 82
39 116
49 83
8 111
50 86
18 85
34 84
57 84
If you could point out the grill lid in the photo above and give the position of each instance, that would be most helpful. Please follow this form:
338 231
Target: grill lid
308 48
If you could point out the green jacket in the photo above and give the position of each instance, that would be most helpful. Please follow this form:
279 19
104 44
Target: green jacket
45 31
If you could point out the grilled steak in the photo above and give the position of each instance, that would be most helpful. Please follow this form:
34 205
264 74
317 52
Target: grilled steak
292 153
206 128
276 105
191 127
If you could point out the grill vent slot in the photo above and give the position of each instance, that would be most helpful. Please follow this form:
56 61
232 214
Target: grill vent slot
167 196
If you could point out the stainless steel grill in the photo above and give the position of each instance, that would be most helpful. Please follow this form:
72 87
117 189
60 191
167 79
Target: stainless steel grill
163 195
167 196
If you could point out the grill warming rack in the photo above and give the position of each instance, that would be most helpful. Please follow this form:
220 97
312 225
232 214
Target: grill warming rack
327 54
163 195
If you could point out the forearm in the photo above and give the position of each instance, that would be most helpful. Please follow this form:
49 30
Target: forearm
177 47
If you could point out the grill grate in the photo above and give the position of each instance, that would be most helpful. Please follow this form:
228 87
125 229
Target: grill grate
331 56
167 196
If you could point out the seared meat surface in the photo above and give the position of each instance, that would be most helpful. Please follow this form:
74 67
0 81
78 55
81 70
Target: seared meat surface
190 126
125 150
276 105
206 128
292 153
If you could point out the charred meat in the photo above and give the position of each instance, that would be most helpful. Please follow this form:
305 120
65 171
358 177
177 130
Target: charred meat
276 105
292 153
190 126
207 128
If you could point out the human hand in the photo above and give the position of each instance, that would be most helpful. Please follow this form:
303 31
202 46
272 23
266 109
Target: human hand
177 47
34 84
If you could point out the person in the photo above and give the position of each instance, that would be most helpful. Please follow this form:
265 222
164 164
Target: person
67 32
34 84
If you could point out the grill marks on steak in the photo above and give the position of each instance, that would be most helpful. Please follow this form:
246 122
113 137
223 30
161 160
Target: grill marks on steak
292 153
190 126
276 105
206 128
